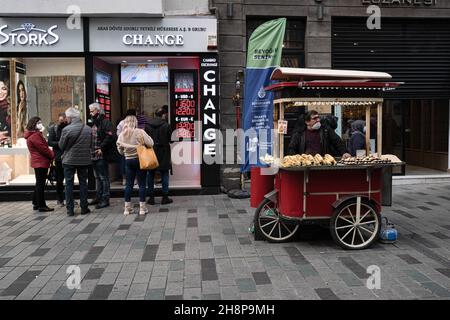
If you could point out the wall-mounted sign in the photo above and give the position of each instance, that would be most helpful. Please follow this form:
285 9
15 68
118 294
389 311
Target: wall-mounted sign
400 3
147 35
39 35
184 102
103 92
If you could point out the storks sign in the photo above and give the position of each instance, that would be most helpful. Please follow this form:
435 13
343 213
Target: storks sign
39 35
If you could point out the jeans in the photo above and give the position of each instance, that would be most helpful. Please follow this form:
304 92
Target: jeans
132 170
122 166
164 181
101 174
82 173
39 188
59 180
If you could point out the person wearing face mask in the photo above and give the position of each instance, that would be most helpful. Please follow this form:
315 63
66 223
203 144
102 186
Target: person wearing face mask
54 134
40 157
311 137
103 145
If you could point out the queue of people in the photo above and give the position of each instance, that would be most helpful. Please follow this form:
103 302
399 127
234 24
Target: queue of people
76 148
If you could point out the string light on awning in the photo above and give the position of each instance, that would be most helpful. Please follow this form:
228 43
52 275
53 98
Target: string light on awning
330 103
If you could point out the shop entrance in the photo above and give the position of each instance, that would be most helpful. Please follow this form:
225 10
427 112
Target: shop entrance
146 83
144 99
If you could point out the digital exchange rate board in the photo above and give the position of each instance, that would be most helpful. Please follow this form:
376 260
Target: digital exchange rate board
184 104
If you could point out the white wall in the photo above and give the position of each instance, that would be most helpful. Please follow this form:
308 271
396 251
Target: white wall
38 67
88 7
186 7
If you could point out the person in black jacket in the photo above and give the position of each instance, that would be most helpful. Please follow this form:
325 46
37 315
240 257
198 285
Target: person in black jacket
358 137
159 130
54 134
103 143
313 138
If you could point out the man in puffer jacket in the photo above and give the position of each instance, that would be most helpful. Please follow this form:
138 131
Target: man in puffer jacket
75 143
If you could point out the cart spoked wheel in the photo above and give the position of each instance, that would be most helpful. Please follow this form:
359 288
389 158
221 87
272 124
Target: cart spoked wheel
355 224
270 225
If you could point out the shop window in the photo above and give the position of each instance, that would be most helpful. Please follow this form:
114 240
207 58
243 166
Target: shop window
440 125
427 116
44 87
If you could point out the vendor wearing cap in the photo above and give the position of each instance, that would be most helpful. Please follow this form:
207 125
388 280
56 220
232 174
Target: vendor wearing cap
312 138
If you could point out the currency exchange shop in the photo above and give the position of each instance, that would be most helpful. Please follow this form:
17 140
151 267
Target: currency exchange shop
47 66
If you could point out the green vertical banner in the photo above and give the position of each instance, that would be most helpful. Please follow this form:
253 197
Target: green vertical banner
263 55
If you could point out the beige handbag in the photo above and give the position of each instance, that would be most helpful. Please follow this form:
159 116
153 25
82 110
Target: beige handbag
147 157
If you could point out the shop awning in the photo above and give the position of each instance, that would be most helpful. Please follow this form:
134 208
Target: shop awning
302 74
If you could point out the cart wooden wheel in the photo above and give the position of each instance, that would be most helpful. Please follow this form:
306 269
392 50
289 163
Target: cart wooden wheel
355 224
270 225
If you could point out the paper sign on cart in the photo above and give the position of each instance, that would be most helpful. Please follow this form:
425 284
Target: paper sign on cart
282 126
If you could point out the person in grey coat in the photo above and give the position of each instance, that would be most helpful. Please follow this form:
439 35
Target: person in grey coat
75 143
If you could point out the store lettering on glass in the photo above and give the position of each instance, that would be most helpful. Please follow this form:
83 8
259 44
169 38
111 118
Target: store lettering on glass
28 35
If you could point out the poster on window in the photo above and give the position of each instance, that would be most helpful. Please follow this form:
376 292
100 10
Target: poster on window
5 104
61 96
21 100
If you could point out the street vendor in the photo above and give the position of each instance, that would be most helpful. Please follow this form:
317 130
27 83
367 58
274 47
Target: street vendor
311 137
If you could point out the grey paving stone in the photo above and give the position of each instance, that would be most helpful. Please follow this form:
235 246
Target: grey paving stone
427 243
150 252
155 294
326 294
89 228
355 267
31 238
440 235
445 272
246 285
205 238
40 252
178 247
436 289
212 296
261 278
350 279
192 222
208 269
94 273
192 294
409 259
174 297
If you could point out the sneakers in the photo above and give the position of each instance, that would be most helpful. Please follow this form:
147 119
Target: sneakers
70 213
142 208
166 200
128 208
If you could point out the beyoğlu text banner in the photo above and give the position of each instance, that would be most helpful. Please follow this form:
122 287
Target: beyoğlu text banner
263 55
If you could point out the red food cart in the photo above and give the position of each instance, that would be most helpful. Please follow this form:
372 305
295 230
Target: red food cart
345 197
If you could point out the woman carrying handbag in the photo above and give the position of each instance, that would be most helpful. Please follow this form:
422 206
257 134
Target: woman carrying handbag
127 144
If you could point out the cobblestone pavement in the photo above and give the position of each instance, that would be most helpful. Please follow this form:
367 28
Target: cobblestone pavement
199 247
